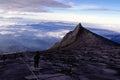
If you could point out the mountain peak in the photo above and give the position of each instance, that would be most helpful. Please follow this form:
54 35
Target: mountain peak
78 27
80 37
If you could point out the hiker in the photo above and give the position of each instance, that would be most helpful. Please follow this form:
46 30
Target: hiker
4 59
36 60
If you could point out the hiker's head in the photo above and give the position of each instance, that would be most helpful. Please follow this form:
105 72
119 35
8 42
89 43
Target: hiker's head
37 53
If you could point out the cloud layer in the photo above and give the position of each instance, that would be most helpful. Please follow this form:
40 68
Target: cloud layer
30 5
32 37
42 35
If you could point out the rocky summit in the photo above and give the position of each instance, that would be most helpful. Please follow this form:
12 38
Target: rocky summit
81 38
81 55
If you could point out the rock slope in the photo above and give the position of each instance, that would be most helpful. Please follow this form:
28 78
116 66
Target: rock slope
80 38
81 55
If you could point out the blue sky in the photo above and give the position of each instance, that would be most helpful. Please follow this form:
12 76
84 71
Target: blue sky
90 11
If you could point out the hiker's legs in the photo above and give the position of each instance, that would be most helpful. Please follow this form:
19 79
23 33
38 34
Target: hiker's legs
37 64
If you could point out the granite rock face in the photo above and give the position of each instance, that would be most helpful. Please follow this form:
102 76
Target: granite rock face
80 38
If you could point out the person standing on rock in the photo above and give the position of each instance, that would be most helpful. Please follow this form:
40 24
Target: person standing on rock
36 60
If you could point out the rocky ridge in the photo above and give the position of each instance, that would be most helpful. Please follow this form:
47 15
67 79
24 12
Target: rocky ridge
81 38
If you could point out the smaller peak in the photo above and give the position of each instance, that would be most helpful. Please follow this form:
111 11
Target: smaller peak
80 24
78 27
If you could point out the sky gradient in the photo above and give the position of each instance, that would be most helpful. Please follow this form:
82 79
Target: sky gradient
90 11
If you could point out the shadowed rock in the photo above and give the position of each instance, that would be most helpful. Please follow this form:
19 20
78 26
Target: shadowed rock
80 37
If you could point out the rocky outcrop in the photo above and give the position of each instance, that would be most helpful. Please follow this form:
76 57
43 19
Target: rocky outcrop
81 37
71 36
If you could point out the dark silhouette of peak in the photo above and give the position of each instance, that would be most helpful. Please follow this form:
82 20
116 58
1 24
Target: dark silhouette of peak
80 37
79 27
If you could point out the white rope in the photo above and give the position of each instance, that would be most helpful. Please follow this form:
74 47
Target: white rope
30 68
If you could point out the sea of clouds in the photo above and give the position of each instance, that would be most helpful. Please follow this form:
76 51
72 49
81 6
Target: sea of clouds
29 35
